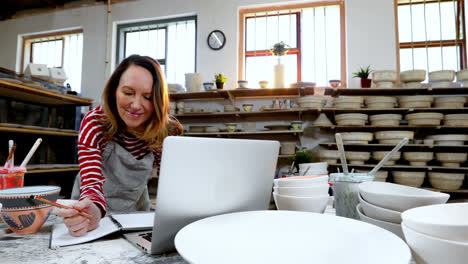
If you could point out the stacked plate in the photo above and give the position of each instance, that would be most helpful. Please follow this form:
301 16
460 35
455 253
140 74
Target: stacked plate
351 119
450 102
302 193
348 102
437 233
380 102
415 101
381 203
424 119
449 139
456 120
311 101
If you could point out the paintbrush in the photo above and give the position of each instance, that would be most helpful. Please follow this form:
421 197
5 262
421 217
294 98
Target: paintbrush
10 155
60 205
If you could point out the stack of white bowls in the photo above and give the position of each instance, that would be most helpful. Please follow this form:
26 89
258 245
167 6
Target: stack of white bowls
437 233
413 78
381 203
450 102
348 102
380 102
302 193
311 101
351 119
384 79
456 120
441 79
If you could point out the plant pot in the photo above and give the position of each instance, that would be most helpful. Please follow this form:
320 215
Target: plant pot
219 85
366 83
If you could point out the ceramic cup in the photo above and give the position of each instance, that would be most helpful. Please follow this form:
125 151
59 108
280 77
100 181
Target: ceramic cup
231 127
263 84
12 177
208 85
296 125
247 107
346 192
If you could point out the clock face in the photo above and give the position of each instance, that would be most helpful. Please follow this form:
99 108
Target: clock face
216 40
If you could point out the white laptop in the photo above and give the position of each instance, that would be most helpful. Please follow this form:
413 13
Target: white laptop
201 177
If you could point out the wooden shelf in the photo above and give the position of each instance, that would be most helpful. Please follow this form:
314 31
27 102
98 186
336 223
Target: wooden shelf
47 168
295 92
391 146
395 110
269 132
40 96
397 91
39 131
403 167
400 127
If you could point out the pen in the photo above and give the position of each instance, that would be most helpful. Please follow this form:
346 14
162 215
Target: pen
60 205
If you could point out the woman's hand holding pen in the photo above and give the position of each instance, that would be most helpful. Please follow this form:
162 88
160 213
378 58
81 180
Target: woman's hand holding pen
79 225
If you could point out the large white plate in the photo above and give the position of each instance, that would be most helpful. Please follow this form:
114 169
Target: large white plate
288 237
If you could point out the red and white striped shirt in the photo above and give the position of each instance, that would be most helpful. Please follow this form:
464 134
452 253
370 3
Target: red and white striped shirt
91 144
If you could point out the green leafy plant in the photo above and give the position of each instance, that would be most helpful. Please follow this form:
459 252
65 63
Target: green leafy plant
363 73
302 157
219 78
280 49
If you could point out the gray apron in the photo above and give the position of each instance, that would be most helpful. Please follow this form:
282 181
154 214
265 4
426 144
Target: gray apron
126 179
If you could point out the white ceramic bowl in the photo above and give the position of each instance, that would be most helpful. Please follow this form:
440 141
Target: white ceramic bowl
418 158
357 157
428 249
413 76
352 119
379 155
384 76
301 181
316 204
398 135
310 191
379 213
444 221
441 76
392 227
357 136
314 166
398 197
446 180
409 178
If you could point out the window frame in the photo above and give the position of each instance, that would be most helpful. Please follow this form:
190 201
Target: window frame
157 23
242 30
434 43
56 35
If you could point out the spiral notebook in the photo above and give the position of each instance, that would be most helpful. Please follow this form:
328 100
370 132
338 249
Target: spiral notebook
60 236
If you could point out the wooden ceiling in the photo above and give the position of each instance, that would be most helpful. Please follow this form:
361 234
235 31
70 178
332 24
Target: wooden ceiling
10 8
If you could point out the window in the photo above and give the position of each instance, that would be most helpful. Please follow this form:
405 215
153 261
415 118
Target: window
172 42
314 32
61 50
431 35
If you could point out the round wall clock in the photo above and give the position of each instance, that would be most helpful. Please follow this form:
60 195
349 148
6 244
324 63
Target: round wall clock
216 40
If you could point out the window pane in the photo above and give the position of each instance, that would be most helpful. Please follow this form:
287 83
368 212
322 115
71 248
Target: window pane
448 10
73 60
404 22
48 52
263 32
150 42
430 59
321 45
261 68
170 41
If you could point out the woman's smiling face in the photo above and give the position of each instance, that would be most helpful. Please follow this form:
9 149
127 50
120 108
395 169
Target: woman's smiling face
134 97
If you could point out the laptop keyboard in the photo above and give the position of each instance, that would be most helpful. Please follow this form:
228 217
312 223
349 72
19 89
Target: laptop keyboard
147 236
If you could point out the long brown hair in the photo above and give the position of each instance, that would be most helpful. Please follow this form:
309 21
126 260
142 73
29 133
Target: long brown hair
160 125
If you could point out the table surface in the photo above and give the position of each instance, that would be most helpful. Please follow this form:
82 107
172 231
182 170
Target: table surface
34 248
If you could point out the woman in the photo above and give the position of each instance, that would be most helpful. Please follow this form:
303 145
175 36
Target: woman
119 144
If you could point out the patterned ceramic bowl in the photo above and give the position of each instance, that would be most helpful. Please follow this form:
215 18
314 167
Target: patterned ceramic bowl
22 214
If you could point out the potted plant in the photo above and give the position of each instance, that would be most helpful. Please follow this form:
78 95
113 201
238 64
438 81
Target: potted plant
279 49
302 157
220 80
363 73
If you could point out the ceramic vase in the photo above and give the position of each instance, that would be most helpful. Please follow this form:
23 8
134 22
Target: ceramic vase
279 74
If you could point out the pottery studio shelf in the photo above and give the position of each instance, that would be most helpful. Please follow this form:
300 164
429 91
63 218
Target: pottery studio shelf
48 168
406 167
296 92
38 130
22 92
407 147
234 134
400 127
